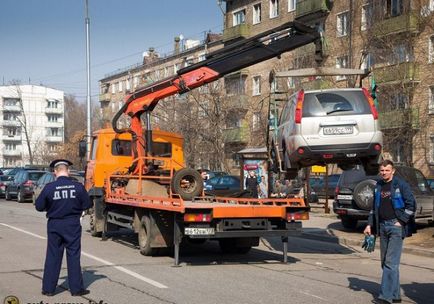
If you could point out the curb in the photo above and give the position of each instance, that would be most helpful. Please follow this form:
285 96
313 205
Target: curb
351 242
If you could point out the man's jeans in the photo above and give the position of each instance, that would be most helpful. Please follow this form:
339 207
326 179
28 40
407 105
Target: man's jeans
391 249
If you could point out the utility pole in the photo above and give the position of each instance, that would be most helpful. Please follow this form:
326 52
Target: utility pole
88 101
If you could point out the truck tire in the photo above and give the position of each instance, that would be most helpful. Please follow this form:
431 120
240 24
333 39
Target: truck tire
348 222
92 224
20 196
229 246
96 219
364 194
187 183
144 236
109 227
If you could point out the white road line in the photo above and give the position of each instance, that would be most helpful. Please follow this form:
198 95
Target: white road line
120 268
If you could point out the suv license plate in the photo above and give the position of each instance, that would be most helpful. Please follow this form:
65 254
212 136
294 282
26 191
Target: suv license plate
344 197
199 231
338 130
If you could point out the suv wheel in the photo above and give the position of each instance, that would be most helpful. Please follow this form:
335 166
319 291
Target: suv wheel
348 222
20 196
7 195
364 194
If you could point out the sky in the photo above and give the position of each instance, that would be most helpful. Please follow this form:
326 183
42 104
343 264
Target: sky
44 41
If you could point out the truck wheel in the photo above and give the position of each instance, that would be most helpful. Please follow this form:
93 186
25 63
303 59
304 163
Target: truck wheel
109 227
230 246
20 196
144 236
92 224
187 183
364 194
349 223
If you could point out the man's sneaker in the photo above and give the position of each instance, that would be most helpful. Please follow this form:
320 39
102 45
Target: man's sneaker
80 293
48 294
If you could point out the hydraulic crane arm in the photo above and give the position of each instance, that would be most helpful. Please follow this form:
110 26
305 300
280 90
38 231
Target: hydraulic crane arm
229 59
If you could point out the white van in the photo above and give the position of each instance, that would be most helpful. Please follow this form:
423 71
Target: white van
329 126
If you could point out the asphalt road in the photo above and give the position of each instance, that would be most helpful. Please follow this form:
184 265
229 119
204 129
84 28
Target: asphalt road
115 272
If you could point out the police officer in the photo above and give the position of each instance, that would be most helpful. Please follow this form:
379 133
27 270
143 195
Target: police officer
64 200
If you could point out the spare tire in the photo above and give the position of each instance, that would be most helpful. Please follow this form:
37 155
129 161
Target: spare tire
187 183
364 194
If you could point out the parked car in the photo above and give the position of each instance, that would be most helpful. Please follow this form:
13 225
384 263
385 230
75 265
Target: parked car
4 181
318 185
49 177
226 185
355 194
430 182
21 186
329 126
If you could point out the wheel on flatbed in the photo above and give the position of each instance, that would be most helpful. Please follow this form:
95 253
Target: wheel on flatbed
187 183
144 236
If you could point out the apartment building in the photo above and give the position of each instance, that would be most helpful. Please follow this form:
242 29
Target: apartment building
31 120
394 39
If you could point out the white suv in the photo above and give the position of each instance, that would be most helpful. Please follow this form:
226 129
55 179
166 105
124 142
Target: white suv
328 126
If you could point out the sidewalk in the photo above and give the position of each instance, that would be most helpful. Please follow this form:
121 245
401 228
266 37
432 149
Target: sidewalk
327 228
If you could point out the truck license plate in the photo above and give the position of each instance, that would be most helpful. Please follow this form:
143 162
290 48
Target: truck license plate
199 231
338 130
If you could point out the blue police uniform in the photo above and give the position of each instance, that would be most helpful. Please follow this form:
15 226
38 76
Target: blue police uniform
64 200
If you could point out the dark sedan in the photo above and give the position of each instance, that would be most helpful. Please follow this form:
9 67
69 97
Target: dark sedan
21 186
226 185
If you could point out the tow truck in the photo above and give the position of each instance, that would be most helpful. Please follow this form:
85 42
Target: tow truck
136 176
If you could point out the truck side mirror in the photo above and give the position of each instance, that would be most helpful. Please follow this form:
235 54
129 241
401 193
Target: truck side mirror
82 148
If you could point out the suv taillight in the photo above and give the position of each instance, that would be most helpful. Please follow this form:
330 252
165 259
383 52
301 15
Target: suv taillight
28 183
371 103
299 107
337 190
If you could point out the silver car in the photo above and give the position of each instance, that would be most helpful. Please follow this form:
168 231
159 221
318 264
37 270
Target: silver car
329 126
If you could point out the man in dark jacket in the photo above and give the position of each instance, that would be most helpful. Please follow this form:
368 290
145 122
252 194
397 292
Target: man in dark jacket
64 200
390 218
252 184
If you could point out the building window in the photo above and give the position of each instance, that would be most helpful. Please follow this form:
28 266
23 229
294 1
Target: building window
366 21
256 121
201 57
53 118
431 5
431 49
120 86
291 5
256 85
10 147
136 81
342 24
10 116
11 132
12 102
257 13
431 99
53 132
341 63
239 17
233 121
128 84
274 8
394 8
290 82
235 85
52 104
113 88
368 62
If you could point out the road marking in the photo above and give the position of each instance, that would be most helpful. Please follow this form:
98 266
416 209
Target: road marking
120 268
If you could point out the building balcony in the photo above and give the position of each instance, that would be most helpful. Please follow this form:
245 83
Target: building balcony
401 118
238 101
407 23
11 123
312 10
16 152
54 139
11 138
54 110
105 98
236 135
54 124
11 109
397 73
238 31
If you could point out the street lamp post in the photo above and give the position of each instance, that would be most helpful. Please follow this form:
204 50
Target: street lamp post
88 100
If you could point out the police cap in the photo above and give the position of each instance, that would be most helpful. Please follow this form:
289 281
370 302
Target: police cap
58 162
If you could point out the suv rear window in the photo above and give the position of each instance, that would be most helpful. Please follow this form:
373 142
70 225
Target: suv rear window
354 176
335 103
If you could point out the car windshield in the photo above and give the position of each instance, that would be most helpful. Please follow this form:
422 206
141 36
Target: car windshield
335 103
353 176
34 176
